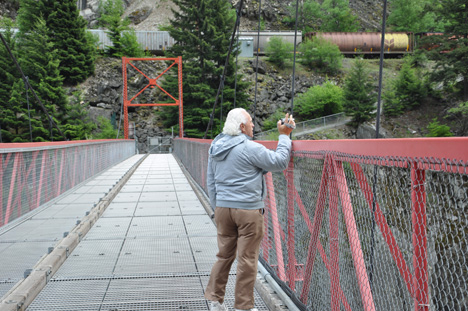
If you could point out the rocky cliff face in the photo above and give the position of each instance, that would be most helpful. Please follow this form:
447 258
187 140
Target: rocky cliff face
104 90
152 14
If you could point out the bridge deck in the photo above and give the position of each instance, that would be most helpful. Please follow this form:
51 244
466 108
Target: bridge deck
152 249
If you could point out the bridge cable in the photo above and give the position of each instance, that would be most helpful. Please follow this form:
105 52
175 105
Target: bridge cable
120 120
29 111
256 63
221 83
26 81
377 129
293 78
237 58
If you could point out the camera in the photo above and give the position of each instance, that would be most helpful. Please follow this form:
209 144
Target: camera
287 124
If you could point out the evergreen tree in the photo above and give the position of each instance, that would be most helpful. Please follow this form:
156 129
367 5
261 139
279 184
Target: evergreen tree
413 16
124 41
337 16
327 15
310 16
67 30
359 97
79 126
40 64
405 93
8 75
451 48
28 15
202 30
16 122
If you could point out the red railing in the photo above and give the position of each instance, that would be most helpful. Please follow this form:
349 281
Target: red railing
395 235
34 173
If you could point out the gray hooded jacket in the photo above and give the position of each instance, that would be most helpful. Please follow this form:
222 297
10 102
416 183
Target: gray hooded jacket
235 170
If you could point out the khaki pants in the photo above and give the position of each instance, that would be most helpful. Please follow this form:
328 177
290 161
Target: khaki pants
241 230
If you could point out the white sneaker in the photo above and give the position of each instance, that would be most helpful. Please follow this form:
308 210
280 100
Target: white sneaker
216 306
254 309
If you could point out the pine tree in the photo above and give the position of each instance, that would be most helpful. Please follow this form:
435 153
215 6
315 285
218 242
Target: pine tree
67 30
359 97
40 64
450 55
202 30
310 16
79 126
337 16
412 16
8 75
406 91
28 15
327 15
124 41
16 121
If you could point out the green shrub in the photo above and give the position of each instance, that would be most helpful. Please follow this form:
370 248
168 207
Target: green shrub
319 101
272 120
438 130
405 93
321 54
279 51
106 130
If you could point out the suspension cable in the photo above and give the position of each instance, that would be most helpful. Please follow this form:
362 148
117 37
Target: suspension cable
221 83
377 129
294 62
237 58
26 81
29 111
256 64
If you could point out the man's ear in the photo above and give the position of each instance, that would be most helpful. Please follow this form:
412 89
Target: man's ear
242 127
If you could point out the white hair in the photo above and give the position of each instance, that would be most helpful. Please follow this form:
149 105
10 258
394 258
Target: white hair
235 118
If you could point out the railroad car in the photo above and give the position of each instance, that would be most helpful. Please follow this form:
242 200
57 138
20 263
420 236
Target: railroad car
368 42
265 36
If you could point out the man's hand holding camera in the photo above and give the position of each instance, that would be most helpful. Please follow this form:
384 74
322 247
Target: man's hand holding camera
286 125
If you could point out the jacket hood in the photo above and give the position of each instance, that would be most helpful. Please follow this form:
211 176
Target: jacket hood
223 144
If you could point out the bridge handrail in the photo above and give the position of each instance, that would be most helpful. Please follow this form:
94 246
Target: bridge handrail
365 224
304 126
33 174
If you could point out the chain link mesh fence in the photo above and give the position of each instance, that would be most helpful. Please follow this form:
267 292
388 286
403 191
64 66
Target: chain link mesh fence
364 232
33 175
308 126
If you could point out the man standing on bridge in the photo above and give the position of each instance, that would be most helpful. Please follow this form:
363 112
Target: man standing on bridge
236 188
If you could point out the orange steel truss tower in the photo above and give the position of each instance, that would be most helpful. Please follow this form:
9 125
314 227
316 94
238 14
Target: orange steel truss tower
127 61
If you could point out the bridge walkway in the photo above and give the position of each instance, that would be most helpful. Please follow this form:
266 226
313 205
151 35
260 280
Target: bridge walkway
152 248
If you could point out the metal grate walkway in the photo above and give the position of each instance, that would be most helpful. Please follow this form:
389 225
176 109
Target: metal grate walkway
152 249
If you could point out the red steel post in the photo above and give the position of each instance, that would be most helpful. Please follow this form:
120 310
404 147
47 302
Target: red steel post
418 198
353 236
291 229
12 188
20 185
62 163
181 101
315 231
384 228
276 228
334 251
125 95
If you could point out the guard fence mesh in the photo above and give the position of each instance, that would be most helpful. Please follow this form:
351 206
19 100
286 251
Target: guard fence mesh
370 230
36 173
